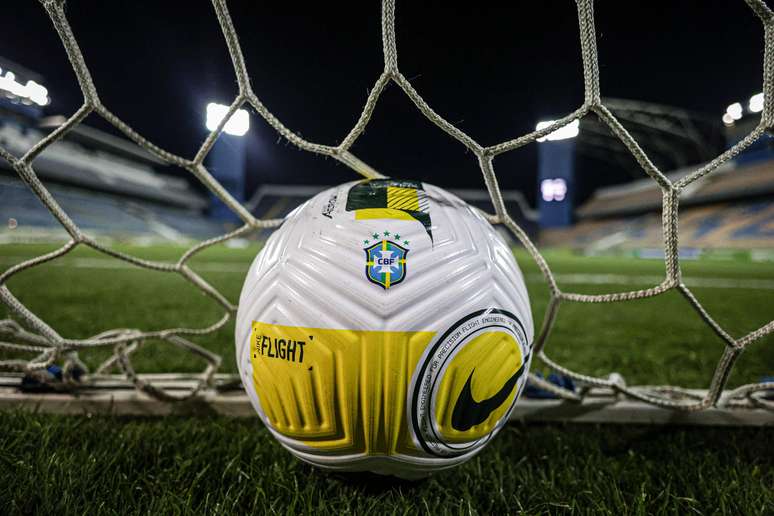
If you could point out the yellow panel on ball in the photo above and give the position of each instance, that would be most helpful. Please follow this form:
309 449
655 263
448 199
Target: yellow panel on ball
341 390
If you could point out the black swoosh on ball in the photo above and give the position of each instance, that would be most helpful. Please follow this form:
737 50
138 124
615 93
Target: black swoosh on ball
468 412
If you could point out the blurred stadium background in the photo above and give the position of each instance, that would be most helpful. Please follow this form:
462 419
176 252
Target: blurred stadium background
112 188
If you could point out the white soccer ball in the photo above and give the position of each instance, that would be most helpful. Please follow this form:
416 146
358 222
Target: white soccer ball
385 326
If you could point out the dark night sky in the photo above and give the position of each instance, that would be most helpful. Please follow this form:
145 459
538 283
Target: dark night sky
493 70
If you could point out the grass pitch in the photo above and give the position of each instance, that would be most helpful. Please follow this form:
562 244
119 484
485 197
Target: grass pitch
104 465
119 465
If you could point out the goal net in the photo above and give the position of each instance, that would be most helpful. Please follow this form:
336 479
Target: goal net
35 344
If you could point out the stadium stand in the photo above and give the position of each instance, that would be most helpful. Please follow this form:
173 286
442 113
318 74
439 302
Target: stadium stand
728 182
99 213
106 184
743 225
731 209
94 160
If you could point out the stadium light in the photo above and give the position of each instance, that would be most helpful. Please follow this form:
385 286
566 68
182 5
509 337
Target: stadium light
563 133
734 111
237 125
728 120
31 91
553 189
756 103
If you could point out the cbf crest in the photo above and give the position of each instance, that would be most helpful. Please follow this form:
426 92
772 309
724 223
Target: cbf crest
385 260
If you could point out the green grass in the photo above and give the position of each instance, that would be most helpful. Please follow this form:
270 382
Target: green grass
101 465
159 466
651 341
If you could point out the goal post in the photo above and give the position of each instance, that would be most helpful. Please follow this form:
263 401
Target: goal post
224 395
37 346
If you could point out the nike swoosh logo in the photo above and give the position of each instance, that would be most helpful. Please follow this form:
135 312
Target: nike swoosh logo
468 412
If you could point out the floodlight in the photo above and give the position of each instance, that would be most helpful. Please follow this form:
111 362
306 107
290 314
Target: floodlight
563 133
237 125
756 103
31 91
728 119
734 110
553 189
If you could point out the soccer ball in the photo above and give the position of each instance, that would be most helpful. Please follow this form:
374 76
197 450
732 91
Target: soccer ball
384 327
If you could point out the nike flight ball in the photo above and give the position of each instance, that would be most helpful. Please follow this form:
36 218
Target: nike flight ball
384 327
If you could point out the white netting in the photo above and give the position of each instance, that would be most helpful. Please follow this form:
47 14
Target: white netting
49 346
